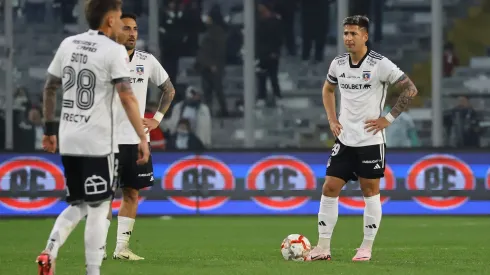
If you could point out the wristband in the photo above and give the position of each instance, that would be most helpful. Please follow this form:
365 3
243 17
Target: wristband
50 128
390 118
158 117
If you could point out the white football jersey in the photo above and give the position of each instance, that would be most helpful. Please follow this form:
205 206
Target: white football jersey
363 90
144 67
89 63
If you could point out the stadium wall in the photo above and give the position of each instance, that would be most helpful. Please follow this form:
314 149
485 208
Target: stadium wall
263 183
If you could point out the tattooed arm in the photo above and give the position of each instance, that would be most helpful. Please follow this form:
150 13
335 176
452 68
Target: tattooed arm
168 93
49 97
408 92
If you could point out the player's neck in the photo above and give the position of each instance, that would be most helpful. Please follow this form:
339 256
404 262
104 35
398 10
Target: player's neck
130 52
104 30
356 57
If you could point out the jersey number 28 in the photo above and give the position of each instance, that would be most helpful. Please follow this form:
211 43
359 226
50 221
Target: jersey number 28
85 81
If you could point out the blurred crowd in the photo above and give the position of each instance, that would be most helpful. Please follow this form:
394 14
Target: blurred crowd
208 36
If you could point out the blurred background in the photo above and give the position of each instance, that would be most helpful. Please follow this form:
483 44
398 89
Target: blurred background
247 119
225 104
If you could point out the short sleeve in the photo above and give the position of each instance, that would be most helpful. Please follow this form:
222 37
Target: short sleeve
388 71
158 75
55 68
332 73
118 63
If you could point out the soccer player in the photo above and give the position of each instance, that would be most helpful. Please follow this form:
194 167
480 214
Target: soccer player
89 67
363 77
132 178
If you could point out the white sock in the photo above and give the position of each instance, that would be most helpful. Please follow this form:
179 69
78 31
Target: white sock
95 236
64 225
124 231
327 218
372 220
107 226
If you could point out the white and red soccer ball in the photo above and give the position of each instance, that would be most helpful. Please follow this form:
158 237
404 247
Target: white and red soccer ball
295 247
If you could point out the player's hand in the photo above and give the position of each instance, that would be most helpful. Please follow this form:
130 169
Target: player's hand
143 152
49 144
336 128
150 124
376 125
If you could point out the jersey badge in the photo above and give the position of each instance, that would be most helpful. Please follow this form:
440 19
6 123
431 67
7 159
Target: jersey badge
140 69
366 75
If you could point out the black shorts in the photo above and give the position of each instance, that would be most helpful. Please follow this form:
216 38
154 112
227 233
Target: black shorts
89 179
349 163
130 174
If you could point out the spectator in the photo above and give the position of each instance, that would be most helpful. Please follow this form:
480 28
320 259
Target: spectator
314 15
211 59
171 38
268 49
28 134
196 112
287 9
193 25
450 59
157 138
184 138
22 104
402 132
463 124
35 10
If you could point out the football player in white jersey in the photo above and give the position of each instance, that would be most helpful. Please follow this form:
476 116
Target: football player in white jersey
362 76
132 178
89 67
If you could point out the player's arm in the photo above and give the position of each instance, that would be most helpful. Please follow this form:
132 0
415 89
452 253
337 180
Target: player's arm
168 92
52 84
160 77
328 95
130 105
407 92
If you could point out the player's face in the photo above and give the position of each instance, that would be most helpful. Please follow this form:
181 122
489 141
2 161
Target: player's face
130 30
355 38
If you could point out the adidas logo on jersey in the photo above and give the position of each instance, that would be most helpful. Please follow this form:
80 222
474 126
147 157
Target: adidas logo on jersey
342 75
377 166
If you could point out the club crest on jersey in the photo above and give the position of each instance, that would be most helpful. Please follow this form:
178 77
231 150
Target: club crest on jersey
140 69
366 75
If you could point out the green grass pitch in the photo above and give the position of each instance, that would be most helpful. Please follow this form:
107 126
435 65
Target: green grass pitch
250 245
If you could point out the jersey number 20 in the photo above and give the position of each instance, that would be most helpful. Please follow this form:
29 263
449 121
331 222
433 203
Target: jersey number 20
85 81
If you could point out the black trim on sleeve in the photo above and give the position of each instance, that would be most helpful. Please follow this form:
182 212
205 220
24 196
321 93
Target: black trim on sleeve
334 79
119 80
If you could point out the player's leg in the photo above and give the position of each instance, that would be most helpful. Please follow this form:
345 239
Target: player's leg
372 165
132 179
339 171
68 219
117 171
98 174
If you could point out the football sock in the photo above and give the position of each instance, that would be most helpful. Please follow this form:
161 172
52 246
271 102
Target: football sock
372 220
327 218
64 225
95 236
124 231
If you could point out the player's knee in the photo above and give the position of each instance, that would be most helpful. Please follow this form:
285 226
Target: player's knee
332 187
130 195
369 187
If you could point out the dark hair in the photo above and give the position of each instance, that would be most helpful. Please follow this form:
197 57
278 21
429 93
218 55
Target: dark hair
357 20
184 121
95 10
129 15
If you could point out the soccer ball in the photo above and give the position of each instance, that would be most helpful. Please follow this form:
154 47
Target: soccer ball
295 247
